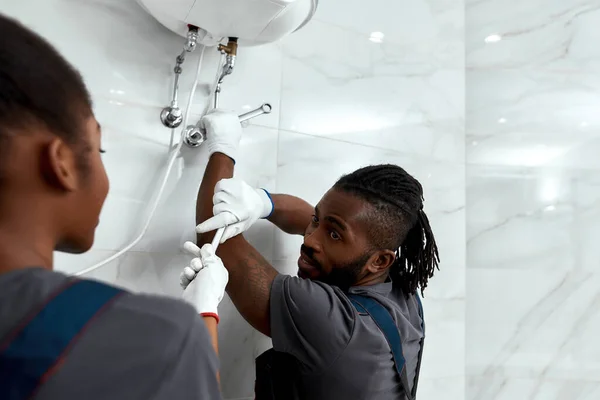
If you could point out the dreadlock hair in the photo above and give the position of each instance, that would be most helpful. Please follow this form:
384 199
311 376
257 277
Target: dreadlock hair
398 222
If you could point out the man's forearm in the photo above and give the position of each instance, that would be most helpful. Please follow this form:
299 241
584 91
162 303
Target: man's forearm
219 167
250 275
250 280
291 214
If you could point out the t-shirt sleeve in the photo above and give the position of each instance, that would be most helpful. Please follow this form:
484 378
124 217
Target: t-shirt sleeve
309 320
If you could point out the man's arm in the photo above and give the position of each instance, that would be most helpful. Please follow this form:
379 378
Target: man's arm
250 275
291 214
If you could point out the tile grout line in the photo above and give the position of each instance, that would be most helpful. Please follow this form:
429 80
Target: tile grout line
416 156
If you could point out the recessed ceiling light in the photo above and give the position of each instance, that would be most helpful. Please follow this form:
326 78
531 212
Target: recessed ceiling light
493 38
502 121
376 37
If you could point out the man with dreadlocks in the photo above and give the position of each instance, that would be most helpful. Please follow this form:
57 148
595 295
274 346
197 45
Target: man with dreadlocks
350 325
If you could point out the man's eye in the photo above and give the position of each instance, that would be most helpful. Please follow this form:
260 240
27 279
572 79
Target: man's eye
334 235
102 151
315 220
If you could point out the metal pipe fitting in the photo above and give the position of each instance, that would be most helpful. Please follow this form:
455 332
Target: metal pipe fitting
231 53
231 47
172 116
192 39
194 136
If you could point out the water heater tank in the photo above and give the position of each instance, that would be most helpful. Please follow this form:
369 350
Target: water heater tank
253 22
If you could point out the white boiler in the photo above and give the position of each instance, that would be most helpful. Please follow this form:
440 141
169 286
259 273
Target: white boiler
253 22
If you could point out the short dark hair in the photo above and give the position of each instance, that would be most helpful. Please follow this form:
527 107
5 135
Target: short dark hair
399 222
37 85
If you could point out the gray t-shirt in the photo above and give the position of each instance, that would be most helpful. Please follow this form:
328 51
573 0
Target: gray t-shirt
343 355
140 347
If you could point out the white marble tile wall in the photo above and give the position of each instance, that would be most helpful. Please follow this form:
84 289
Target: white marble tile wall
388 87
533 131
348 101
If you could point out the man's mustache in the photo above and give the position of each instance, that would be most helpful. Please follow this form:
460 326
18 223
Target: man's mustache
308 253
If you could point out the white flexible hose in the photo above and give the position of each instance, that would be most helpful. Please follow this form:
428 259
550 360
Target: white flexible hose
171 141
173 157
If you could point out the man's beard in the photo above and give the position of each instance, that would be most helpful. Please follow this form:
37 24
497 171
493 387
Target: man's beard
345 275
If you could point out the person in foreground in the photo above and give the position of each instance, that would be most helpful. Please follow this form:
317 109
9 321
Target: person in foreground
350 325
61 337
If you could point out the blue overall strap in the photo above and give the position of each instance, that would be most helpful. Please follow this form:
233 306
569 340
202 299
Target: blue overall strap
422 344
34 351
385 322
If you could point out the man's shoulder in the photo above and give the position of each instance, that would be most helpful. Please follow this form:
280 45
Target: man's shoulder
310 295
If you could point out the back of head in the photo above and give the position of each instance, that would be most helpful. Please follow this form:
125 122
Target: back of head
49 174
398 221
38 87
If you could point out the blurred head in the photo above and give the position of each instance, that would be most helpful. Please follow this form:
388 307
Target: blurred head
368 226
50 164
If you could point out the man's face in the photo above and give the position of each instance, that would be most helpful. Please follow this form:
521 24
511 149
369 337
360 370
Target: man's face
336 249
88 199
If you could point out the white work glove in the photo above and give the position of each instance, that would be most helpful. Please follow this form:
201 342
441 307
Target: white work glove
236 207
223 132
204 280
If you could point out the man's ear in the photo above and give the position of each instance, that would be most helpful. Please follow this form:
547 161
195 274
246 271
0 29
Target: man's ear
381 261
61 166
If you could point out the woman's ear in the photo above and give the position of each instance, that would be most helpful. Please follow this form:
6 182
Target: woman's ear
381 261
61 166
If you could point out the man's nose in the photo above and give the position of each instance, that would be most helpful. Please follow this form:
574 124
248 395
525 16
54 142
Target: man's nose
311 240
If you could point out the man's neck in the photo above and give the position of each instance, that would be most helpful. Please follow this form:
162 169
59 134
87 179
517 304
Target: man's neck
20 249
372 279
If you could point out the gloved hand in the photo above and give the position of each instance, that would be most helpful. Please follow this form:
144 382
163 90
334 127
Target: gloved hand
204 280
223 132
236 207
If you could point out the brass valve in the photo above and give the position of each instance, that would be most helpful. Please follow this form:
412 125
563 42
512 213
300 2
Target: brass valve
231 48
